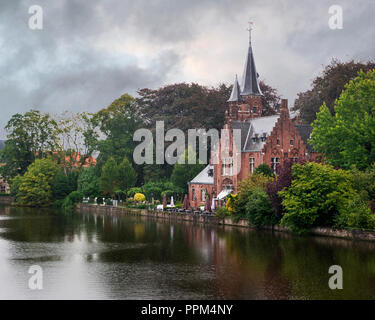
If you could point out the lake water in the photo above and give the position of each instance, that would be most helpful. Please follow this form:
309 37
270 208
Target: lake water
87 256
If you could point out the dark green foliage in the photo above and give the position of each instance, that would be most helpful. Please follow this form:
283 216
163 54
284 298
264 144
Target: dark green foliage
259 210
364 184
328 87
264 169
222 212
88 182
64 184
31 135
109 179
157 189
133 191
246 188
15 185
127 175
72 200
118 123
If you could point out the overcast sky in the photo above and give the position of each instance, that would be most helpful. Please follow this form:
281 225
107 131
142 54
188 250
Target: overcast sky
91 52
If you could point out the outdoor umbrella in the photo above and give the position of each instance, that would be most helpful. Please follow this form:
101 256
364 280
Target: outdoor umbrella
172 202
213 204
185 204
165 201
207 205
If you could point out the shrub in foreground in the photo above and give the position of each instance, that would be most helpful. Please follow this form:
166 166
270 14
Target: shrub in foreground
259 210
317 196
72 200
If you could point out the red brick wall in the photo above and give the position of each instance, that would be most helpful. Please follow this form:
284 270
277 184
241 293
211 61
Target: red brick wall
198 192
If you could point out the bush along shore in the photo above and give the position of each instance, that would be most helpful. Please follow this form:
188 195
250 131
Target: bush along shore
304 196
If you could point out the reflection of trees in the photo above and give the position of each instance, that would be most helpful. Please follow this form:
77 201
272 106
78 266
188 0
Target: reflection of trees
277 286
221 262
42 225
308 259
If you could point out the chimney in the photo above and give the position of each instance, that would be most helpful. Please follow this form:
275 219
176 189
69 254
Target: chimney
284 111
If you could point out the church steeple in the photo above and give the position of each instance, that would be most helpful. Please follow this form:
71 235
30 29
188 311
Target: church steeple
236 92
250 83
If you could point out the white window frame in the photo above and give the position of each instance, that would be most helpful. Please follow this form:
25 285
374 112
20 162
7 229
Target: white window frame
223 168
252 164
275 162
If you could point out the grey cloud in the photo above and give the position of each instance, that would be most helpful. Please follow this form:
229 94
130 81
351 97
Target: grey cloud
59 68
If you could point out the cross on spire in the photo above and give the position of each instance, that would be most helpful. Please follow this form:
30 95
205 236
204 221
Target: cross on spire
251 23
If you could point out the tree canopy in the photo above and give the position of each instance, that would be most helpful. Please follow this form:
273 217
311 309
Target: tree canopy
35 187
31 135
327 87
348 138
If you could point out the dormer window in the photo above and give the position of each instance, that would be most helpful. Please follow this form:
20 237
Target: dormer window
264 138
254 139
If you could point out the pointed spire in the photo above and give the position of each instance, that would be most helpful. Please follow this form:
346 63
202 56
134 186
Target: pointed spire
250 83
235 95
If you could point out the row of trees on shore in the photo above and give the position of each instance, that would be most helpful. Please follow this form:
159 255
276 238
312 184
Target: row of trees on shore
60 159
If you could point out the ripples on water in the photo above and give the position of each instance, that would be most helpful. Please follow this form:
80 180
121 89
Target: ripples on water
87 256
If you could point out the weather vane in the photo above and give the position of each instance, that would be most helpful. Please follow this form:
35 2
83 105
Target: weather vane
251 24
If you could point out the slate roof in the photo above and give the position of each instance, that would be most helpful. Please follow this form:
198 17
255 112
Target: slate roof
203 177
236 92
250 83
244 126
257 127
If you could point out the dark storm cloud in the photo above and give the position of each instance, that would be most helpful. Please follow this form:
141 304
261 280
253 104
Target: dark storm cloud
91 52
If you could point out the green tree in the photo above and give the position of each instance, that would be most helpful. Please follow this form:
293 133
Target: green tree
15 185
259 210
109 180
89 182
190 105
246 188
264 169
117 123
127 175
132 191
348 138
153 189
327 87
35 189
64 183
316 197
31 135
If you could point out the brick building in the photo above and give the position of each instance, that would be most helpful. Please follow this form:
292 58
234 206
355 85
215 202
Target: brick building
264 139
